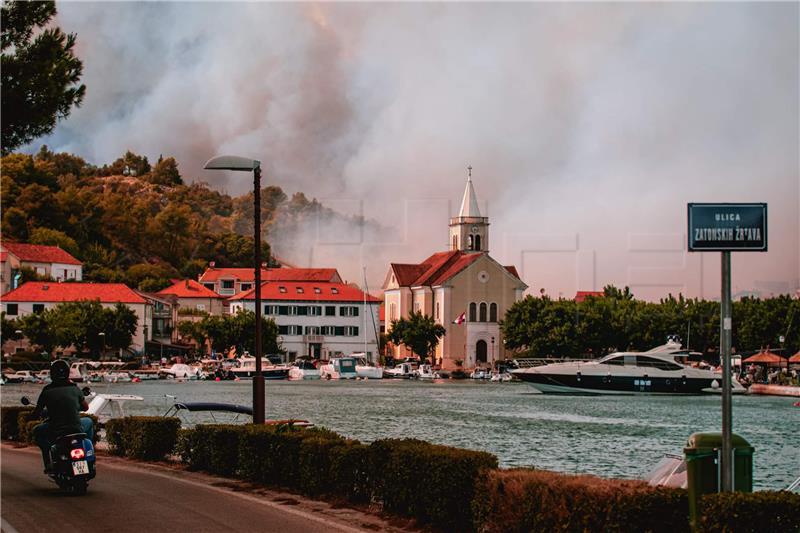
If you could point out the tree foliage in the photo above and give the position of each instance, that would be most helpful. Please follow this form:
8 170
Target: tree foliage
233 331
419 332
40 73
617 321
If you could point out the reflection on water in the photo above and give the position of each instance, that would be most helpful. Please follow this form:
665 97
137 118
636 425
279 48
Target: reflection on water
611 436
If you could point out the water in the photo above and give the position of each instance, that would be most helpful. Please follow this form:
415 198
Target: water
610 436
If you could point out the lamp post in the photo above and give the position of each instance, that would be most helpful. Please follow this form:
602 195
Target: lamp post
102 336
16 344
242 164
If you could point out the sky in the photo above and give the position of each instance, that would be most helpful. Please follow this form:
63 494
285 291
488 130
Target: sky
589 126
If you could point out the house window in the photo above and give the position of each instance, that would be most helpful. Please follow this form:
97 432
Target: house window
209 286
314 310
283 330
473 311
293 310
327 330
245 286
201 307
313 330
338 331
299 290
334 290
351 331
348 310
493 312
295 330
330 310
12 309
317 290
283 310
483 312
38 308
282 289
227 284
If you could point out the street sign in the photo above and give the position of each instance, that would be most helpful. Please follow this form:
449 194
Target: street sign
727 227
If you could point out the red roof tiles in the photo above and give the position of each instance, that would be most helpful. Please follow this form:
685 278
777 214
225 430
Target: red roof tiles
39 253
580 296
271 274
437 268
188 288
307 291
48 291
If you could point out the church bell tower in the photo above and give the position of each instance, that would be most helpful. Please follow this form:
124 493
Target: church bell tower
469 231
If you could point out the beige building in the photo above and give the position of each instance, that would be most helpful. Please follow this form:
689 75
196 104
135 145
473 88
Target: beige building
463 289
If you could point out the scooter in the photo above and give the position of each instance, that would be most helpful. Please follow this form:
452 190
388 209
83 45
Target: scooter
72 460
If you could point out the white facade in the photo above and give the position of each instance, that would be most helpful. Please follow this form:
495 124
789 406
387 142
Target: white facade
321 329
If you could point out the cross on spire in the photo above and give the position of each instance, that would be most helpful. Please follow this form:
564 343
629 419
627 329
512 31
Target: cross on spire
469 170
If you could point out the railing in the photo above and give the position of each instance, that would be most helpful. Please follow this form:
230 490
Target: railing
227 292
541 361
313 338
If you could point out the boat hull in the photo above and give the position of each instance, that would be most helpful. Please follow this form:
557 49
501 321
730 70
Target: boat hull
606 384
276 374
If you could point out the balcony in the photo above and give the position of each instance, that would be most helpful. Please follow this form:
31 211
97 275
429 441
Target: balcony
313 338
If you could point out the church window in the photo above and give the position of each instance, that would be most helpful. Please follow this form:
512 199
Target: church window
473 308
392 314
477 242
493 312
455 242
483 312
469 242
437 310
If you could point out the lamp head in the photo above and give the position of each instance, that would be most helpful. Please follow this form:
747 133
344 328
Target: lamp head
232 162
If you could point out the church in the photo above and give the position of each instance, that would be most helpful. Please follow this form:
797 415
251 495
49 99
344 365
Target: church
464 289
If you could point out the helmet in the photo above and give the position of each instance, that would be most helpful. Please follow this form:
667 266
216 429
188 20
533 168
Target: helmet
59 370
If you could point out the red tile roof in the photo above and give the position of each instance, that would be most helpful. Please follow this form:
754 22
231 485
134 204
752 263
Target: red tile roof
188 288
3 256
39 253
306 291
513 270
271 274
406 274
382 312
434 270
49 291
580 296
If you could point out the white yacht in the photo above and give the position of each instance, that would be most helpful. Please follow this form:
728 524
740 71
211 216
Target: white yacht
659 370
339 368
366 370
426 372
246 368
401 371
303 369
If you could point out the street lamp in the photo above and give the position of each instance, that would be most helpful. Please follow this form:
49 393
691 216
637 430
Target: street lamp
102 336
242 164
16 344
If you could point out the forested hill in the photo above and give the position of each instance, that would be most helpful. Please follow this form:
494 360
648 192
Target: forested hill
137 223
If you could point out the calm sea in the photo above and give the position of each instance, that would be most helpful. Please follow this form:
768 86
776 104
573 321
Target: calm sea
610 436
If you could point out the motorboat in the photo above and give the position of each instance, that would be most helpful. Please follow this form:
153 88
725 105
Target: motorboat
425 372
21 376
222 413
339 368
117 376
501 377
661 370
78 372
366 370
106 406
181 371
303 369
246 369
401 371
480 373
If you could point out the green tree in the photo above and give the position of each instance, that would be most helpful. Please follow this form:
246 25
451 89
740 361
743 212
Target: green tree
38 329
238 330
54 237
9 328
419 332
40 73
165 172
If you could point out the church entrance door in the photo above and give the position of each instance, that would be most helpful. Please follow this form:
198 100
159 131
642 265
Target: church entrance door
480 352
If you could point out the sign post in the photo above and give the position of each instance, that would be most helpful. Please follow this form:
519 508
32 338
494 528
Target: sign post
726 228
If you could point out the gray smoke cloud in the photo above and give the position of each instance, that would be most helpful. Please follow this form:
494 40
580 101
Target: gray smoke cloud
589 126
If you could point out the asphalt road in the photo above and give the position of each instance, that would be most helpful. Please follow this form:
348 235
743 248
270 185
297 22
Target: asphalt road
132 497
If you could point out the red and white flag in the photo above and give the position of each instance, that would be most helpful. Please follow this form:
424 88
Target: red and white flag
461 318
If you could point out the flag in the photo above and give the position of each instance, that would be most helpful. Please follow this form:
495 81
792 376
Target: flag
461 318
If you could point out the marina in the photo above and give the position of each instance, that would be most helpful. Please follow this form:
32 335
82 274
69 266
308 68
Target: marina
610 436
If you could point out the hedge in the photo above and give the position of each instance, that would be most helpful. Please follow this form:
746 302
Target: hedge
740 512
9 415
520 500
142 437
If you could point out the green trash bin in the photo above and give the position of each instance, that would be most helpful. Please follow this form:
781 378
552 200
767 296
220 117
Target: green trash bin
702 453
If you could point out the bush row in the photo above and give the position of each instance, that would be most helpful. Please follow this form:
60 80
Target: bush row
151 438
742 512
408 477
9 420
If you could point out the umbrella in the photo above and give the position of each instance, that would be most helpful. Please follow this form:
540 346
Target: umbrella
795 358
769 358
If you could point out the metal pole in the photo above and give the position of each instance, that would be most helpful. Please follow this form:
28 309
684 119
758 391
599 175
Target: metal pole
258 380
726 459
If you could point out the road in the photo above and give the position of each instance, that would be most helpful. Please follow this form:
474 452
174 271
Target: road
136 497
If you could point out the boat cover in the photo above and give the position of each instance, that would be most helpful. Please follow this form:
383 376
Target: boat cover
212 406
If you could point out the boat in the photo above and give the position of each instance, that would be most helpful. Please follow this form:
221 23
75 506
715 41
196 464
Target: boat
78 372
480 373
425 372
21 376
145 375
180 371
246 368
106 406
400 371
226 413
366 370
339 368
117 376
303 369
501 377
660 370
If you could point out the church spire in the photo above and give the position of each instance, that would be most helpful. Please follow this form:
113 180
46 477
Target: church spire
469 204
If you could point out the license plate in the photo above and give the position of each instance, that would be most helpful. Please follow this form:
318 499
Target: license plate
80 467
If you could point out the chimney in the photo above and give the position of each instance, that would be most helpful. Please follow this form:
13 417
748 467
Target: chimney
187 283
211 264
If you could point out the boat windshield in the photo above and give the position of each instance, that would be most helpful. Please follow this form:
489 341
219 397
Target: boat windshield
670 471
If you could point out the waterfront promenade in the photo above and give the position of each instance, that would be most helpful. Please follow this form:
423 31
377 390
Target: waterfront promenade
133 497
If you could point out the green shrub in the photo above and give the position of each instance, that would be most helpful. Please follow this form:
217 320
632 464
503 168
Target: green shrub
520 500
9 415
150 438
215 448
745 512
431 483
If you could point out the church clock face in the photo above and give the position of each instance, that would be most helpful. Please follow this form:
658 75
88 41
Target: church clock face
483 276
474 229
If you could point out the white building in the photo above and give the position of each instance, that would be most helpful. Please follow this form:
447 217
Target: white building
49 261
36 296
318 319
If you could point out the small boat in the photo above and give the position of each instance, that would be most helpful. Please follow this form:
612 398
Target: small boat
501 377
105 406
425 372
366 370
339 368
303 369
117 376
78 372
401 371
145 375
180 371
224 413
21 376
246 368
480 373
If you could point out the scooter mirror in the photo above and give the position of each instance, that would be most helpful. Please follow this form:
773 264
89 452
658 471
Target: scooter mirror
86 391
25 401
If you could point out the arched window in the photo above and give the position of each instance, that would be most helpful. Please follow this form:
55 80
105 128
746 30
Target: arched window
472 312
437 310
483 312
469 243
477 242
493 312
392 314
455 242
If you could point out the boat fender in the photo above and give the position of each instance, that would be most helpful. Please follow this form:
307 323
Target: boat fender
715 384
578 376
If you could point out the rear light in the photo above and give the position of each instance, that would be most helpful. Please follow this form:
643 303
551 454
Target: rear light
77 453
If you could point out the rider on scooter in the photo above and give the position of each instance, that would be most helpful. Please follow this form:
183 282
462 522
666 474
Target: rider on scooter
64 402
